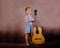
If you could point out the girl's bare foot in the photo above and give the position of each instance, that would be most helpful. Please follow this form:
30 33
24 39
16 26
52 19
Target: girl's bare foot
27 44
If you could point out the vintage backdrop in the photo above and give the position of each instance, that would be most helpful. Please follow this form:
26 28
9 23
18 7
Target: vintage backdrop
12 15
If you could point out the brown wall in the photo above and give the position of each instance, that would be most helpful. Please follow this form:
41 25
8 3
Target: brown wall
12 14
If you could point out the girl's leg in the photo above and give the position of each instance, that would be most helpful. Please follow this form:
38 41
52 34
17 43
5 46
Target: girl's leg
30 35
26 38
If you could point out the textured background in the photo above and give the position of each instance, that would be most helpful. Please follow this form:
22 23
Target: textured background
12 16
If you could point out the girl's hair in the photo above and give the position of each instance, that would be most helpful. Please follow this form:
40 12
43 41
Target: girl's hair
27 8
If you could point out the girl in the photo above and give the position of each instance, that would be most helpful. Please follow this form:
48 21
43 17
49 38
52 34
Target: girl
28 24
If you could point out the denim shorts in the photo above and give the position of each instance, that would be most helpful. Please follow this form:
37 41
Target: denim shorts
28 27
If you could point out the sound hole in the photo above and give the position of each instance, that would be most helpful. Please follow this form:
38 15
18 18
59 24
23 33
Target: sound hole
37 32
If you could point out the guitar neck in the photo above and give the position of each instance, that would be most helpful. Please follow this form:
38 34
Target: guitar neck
36 21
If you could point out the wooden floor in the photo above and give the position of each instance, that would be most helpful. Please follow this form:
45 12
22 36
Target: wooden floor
23 45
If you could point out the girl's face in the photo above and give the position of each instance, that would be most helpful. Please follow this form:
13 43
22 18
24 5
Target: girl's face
28 11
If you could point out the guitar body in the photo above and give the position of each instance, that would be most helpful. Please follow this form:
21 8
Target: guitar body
37 38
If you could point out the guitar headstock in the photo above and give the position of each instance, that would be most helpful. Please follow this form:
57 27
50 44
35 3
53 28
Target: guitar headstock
35 12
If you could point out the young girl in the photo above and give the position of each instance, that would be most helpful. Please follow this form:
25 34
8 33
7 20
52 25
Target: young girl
28 25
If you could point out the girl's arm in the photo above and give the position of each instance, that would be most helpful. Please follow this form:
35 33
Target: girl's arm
26 19
29 20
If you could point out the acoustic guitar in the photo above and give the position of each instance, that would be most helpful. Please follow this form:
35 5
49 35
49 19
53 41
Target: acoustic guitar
37 37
